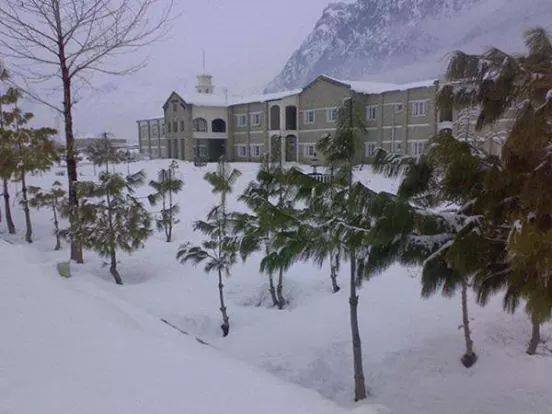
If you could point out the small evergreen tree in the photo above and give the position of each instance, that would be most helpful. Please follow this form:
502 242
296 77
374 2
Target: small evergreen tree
166 187
49 199
8 166
32 150
415 228
219 251
339 152
102 152
111 218
271 200
518 189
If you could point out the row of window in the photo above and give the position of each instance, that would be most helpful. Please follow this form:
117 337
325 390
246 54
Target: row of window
256 150
199 125
416 148
417 108
256 119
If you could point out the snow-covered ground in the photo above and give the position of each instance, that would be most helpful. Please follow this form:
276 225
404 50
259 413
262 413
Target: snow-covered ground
86 345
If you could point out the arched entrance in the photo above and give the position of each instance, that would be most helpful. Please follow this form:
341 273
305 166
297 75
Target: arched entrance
291 148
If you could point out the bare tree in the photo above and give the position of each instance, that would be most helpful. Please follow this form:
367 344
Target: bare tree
68 40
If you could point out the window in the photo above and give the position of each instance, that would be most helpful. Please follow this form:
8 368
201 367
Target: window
370 149
256 119
181 126
331 115
256 150
399 108
310 116
200 125
310 151
174 106
169 127
419 108
371 112
175 126
155 131
218 125
398 147
417 148
241 120
275 118
242 151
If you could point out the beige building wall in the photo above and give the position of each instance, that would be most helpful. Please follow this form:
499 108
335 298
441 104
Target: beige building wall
400 121
318 104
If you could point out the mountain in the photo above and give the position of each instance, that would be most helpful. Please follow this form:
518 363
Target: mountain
405 40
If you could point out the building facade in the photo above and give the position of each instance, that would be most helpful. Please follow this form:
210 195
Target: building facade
288 125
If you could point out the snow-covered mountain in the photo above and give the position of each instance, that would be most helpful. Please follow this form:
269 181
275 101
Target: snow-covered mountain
404 40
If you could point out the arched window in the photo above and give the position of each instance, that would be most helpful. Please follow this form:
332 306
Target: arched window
200 125
291 118
218 125
275 118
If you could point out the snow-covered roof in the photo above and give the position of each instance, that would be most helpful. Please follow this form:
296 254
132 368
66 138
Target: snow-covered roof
264 97
380 87
205 99
218 100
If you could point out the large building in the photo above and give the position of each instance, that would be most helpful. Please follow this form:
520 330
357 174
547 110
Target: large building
399 118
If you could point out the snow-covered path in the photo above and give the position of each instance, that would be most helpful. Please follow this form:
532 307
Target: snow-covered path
411 346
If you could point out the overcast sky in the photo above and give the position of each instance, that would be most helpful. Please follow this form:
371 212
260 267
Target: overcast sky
247 42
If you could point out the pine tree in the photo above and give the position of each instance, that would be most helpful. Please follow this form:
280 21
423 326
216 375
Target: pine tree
256 230
7 162
220 250
166 187
432 221
518 189
339 152
270 199
103 152
49 199
111 218
30 149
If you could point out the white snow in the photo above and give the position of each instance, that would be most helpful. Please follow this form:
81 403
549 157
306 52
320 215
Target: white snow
85 345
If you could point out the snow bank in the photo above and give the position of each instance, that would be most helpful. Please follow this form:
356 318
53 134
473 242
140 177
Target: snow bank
68 347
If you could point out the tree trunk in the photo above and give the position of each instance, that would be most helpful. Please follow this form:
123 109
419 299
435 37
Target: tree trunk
279 290
360 386
225 321
333 273
113 268
272 290
169 225
469 358
112 246
535 338
56 228
7 209
28 224
72 176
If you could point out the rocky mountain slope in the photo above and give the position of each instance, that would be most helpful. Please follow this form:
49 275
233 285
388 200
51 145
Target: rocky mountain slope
404 40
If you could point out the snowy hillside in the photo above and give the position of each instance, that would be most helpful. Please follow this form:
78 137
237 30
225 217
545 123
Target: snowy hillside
84 345
405 40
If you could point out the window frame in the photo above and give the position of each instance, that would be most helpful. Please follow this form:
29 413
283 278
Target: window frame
370 149
241 120
331 114
306 116
369 109
419 108
254 117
